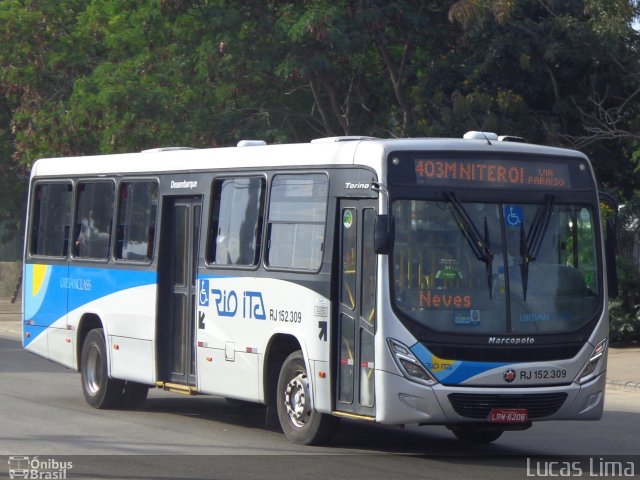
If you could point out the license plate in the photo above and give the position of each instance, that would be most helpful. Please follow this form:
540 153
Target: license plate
509 415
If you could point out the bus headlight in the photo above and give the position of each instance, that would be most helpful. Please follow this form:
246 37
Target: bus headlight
591 368
409 365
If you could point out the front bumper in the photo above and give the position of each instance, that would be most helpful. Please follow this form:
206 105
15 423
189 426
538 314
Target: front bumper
400 401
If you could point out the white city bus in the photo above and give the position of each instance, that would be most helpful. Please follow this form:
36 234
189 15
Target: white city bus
456 282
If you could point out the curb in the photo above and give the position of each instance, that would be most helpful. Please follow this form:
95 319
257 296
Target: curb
11 333
620 385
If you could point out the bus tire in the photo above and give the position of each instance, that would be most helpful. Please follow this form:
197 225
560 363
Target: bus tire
299 421
476 435
99 390
134 395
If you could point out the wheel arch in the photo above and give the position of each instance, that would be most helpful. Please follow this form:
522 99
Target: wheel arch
88 322
280 346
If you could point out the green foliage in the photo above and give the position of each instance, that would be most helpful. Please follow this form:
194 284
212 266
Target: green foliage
624 311
96 76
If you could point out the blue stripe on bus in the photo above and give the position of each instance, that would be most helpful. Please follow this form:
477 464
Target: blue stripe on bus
451 372
53 290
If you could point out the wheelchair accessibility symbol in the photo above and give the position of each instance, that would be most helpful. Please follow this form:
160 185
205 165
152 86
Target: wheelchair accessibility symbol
513 215
203 294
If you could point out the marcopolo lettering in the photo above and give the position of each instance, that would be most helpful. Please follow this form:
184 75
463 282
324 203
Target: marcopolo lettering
511 340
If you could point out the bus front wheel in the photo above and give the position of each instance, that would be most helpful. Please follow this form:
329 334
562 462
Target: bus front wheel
299 421
99 390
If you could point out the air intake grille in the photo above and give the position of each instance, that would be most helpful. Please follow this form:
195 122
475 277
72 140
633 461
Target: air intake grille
539 405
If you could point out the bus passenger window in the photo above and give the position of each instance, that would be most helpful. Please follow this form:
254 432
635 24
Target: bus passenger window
297 217
50 219
236 221
138 204
94 215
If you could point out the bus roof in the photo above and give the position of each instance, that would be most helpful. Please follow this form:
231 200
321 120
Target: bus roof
334 151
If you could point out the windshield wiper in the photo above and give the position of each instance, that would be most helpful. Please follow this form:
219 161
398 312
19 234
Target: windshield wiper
531 243
480 246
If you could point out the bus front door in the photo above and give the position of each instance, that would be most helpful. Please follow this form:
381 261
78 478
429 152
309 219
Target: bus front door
176 302
356 311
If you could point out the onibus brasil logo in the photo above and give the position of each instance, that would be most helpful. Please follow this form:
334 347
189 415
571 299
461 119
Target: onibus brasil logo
36 468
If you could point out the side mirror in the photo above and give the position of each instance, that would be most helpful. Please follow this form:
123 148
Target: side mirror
384 234
610 258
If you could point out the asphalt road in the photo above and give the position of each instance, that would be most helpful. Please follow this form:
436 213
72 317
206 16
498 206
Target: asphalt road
43 414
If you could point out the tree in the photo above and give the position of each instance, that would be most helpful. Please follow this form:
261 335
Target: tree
550 70
88 76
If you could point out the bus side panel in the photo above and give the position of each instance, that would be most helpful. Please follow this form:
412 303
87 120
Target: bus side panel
132 359
61 346
45 309
229 373
124 303
237 317
131 333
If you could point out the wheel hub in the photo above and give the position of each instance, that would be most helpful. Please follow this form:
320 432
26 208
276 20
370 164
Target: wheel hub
297 400
94 371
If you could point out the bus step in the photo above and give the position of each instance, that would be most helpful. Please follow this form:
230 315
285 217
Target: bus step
353 416
177 388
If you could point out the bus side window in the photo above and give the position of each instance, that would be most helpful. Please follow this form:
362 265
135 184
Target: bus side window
94 217
297 218
119 240
236 221
151 235
65 234
51 208
137 208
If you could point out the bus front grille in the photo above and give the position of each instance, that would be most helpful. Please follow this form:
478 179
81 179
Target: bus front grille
478 406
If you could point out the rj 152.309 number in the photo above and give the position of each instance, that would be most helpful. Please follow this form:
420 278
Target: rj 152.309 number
289 316
557 373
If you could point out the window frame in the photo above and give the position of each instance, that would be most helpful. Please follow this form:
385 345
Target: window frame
34 201
269 223
260 232
72 250
117 223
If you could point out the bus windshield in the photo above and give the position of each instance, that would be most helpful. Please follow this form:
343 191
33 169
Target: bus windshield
473 267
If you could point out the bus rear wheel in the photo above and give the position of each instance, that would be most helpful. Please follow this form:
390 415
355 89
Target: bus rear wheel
475 434
299 421
134 395
99 390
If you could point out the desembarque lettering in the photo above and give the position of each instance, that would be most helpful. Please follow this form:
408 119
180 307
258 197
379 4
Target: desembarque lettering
190 184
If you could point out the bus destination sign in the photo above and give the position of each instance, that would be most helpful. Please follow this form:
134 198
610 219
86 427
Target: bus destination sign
493 173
